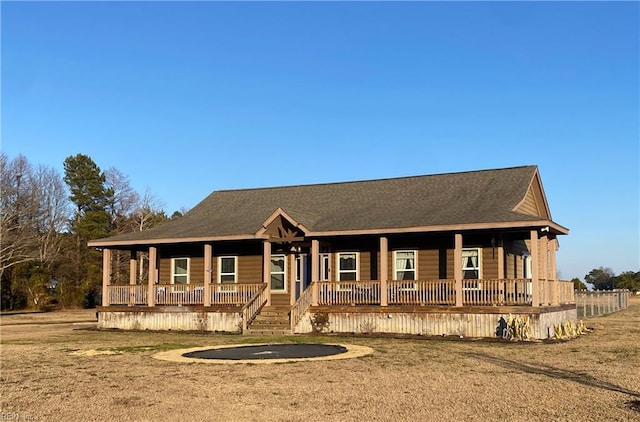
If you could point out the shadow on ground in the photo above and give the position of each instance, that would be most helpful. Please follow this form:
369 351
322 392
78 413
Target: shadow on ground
552 372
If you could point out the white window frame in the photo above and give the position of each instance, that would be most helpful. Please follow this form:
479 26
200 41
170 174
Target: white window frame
284 256
339 271
468 281
325 267
407 285
235 269
173 270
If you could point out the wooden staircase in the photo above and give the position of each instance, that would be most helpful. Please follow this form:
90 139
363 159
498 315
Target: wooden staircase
272 320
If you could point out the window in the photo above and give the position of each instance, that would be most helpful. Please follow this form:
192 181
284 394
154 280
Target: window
179 270
471 263
404 268
347 266
404 265
227 269
324 267
278 273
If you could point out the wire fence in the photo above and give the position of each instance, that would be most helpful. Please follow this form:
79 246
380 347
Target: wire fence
600 302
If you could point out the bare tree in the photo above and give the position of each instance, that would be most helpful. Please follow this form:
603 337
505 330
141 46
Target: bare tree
53 213
148 212
17 237
35 211
125 199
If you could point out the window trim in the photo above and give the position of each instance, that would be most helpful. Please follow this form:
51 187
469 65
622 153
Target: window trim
407 285
339 271
478 281
284 272
173 270
235 269
325 267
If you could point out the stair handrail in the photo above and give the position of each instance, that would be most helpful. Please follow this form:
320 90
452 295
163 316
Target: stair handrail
302 305
253 306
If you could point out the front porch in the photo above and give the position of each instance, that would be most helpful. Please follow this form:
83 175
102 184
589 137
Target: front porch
426 307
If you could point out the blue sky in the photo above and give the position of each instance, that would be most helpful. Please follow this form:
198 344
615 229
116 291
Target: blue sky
187 98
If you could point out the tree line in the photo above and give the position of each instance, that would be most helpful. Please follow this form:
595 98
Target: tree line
47 218
602 278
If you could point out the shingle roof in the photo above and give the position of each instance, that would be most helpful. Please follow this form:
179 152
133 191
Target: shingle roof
484 196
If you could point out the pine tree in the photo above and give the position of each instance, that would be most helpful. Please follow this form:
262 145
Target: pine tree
92 197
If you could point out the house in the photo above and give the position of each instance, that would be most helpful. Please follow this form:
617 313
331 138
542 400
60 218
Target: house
444 254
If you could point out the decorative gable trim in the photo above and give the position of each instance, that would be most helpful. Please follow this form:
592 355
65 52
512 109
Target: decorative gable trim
534 202
282 228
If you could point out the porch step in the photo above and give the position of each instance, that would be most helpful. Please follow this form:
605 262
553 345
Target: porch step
261 332
272 320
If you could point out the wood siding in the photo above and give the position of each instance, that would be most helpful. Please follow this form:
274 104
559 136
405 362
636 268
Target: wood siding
529 205
489 263
435 257
534 201
250 268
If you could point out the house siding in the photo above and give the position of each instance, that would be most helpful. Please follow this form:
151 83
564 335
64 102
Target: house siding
529 205
434 258
366 248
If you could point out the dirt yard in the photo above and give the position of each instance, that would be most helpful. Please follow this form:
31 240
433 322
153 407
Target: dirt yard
47 375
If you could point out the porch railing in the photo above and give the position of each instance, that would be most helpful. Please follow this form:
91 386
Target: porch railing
566 292
482 292
234 294
179 294
332 293
253 306
302 305
487 292
128 294
422 292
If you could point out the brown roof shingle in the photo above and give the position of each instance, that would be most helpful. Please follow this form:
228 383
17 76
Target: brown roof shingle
484 196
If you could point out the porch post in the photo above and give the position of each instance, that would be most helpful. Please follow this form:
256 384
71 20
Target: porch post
505 288
457 267
384 271
266 269
106 276
153 275
133 263
500 249
315 270
553 247
208 272
547 288
293 263
535 262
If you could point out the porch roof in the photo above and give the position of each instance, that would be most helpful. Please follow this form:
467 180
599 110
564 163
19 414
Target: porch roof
480 199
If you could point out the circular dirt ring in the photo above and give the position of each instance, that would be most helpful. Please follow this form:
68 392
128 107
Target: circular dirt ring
265 353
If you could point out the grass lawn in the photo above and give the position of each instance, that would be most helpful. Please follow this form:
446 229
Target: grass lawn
46 374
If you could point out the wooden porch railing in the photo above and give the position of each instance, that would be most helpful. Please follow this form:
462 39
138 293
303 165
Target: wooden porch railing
566 292
253 306
422 292
302 305
331 293
128 294
486 292
234 293
179 294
